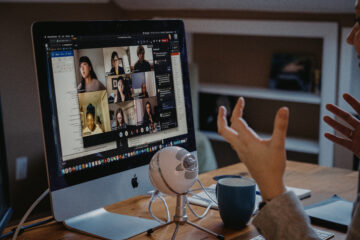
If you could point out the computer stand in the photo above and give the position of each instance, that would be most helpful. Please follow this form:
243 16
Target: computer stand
104 224
180 218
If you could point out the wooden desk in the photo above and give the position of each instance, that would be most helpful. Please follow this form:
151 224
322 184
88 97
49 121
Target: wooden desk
323 181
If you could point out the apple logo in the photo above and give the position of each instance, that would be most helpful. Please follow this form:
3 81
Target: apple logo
134 182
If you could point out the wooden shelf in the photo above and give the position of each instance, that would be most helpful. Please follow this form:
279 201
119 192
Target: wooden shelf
292 143
261 93
327 31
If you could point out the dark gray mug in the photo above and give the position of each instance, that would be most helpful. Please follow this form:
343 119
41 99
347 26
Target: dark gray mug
236 201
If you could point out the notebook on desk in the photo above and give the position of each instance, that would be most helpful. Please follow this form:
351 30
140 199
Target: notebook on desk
334 212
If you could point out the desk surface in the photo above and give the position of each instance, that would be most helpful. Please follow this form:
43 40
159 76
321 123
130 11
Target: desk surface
323 181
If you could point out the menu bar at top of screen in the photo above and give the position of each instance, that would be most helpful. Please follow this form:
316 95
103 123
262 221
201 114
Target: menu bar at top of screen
67 42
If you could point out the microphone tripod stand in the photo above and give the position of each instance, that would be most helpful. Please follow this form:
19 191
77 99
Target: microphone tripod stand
180 218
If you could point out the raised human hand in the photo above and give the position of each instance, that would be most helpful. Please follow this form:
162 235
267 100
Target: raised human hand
264 158
351 133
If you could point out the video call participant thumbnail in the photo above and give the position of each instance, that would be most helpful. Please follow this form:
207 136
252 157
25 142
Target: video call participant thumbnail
123 115
143 84
119 122
91 126
144 93
141 65
96 117
116 68
123 92
113 88
150 118
89 81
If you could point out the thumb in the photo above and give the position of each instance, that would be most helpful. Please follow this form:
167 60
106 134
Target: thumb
280 127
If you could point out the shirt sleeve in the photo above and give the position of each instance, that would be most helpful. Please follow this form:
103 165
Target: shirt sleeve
284 218
354 230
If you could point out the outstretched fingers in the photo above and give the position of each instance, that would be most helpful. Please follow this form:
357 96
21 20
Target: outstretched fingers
239 124
341 141
280 127
238 109
224 130
355 104
350 119
239 130
338 126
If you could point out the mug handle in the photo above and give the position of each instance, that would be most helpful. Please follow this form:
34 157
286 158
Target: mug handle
216 190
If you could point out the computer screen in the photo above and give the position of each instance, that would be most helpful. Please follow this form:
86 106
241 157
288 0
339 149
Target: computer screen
111 94
5 209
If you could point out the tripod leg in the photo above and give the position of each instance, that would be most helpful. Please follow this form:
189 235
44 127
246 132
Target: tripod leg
175 232
218 236
151 230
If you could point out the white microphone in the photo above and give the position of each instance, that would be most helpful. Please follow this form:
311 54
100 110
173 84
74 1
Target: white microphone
173 170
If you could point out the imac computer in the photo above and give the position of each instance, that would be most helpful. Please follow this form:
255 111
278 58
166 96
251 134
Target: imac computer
5 208
112 93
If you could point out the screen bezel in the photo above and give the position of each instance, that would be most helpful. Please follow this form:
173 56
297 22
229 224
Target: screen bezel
47 101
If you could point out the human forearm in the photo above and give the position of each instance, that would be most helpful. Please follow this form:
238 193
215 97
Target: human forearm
271 188
354 230
284 218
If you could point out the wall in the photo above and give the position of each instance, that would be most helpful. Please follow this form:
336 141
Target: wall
18 90
342 19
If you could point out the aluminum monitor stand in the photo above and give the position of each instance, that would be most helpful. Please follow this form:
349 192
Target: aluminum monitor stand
104 224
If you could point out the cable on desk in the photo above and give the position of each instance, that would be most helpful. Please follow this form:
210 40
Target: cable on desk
211 201
206 192
193 211
154 195
23 219
11 233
